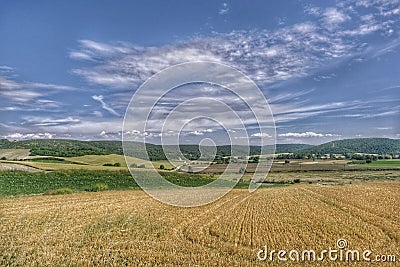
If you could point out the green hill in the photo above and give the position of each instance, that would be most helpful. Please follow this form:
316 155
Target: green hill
63 147
382 146
287 148
73 148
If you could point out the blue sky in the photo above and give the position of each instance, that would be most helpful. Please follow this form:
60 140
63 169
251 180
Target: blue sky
329 69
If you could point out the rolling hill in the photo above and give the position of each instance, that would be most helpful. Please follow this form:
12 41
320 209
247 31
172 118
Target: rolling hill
74 148
380 146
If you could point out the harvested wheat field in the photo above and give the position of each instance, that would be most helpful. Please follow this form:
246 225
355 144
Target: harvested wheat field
128 228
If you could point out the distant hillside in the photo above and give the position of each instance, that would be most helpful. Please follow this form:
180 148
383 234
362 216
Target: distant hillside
64 147
71 148
287 148
382 146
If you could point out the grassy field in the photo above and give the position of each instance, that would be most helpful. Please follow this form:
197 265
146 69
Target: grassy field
128 228
388 163
88 162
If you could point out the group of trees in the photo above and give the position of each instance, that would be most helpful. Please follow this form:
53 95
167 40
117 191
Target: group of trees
350 148
351 156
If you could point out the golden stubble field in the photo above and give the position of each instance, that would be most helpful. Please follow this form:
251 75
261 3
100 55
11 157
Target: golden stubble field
128 228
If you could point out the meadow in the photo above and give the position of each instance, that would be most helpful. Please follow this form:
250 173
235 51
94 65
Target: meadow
388 163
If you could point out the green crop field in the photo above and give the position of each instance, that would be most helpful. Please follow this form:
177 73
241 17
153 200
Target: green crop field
26 183
388 163
99 159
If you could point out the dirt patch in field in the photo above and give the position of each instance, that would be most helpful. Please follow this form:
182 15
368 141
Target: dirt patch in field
12 154
16 167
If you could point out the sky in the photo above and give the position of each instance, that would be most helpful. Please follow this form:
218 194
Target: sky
329 69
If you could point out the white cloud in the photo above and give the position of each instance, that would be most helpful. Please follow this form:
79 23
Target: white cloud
364 29
196 133
19 136
384 128
104 105
39 121
97 113
224 9
307 135
266 56
382 114
23 92
261 135
332 16
105 134
6 68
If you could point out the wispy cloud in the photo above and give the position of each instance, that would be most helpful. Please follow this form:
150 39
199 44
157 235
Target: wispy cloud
23 92
104 105
224 9
46 121
382 114
324 37
332 17
266 56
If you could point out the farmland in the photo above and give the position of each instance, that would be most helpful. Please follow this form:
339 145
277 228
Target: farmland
87 210
87 162
388 163
128 227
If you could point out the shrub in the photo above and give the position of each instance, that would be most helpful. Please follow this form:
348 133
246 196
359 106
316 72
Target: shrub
357 162
162 167
97 187
60 191
133 165
142 166
296 181
3 158
112 165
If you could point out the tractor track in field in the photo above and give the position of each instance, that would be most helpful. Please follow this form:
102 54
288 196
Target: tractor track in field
198 229
242 223
190 227
364 215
